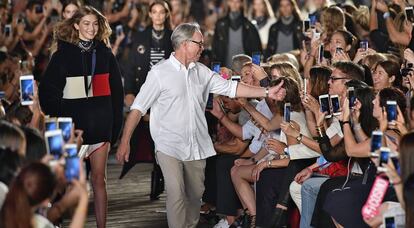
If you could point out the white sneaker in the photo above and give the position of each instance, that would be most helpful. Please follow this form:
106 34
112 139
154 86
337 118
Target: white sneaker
222 224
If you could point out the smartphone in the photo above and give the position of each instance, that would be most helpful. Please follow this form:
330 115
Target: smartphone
286 113
335 105
363 45
54 143
351 97
2 94
390 222
65 124
339 50
312 20
51 124
38 9
71 162
316 35
409 13
8 30
376 140
256 58
383 156
215 66
305 25
391 111
324 103
222 106
26 89
119 30
209 105
320 54
396 162
236 78
305 86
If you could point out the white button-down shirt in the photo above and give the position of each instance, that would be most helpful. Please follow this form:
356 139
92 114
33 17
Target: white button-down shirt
177 97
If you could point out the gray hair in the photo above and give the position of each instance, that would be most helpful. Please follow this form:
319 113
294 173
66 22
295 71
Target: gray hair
183 32
238 61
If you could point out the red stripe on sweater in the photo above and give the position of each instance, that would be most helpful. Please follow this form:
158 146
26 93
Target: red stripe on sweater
100 85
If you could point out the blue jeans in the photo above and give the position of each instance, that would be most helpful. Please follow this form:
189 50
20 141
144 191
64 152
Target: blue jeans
309 192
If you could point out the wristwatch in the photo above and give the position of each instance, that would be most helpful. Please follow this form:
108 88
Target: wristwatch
299 138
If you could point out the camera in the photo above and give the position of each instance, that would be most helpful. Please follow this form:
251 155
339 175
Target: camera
405 71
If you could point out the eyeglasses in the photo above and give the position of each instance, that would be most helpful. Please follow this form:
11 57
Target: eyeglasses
199 43
333 78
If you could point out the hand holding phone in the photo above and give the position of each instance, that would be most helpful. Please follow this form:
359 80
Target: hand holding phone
363 45
8 30
376 141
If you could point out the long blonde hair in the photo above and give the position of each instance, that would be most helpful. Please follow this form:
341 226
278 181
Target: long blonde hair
65 30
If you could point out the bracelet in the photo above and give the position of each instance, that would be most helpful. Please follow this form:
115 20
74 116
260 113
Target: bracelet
269 164
344 122
253 160
357 126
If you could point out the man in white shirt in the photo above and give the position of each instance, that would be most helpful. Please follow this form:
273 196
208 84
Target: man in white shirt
177 91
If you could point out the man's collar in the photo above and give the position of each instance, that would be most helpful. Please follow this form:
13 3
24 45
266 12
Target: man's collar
177 64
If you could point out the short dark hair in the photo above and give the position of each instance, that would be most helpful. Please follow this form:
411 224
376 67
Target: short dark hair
31 4
352 70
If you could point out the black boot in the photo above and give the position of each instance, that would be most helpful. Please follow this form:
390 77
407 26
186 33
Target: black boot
278 219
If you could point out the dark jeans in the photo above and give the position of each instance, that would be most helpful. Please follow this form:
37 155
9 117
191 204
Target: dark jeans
227 200
267 192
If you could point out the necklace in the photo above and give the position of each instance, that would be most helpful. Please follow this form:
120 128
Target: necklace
158 35
85 45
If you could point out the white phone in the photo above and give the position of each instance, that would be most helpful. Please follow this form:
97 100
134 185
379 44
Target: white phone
26 89
324 103
65 124
335 105
54 143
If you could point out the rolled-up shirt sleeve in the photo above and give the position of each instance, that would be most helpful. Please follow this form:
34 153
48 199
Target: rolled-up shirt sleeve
149 92
221 86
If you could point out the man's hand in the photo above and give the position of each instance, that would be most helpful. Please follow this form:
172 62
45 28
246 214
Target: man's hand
217 111
122 153
277 92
